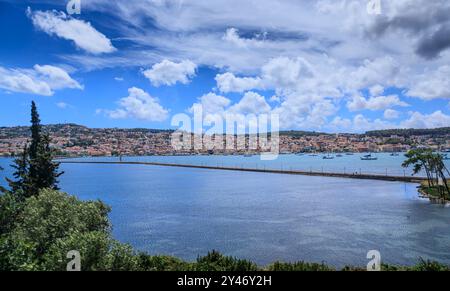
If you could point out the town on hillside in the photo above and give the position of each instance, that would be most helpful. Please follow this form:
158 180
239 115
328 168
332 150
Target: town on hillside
73 140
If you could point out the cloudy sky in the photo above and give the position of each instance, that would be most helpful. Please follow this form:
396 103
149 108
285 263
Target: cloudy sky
325 65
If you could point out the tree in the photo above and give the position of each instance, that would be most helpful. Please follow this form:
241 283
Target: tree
2 190
50 225
35 168
35 131
418 158
46 168
440 170
434 167
21 166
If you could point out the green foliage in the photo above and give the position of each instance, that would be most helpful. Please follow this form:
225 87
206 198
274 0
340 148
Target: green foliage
93 247
435 132
51 224
10 207
298 266
121 257
429 266
162 263
35 168
297 133
21 183
434 166
2 190
214 261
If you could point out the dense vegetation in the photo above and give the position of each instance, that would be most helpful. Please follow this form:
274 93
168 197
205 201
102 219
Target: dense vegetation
435 132
39 225
297 133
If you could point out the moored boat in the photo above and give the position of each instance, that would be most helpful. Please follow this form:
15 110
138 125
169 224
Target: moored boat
369 157
328 157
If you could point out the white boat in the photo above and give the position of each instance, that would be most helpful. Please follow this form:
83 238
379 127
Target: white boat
369 157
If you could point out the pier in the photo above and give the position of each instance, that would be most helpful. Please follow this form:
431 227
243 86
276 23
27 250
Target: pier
406 179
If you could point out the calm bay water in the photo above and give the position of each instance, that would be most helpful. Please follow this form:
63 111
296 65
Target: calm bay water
262 217
385 164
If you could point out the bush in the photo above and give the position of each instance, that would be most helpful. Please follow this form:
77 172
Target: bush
214 261
50 225
299 266
162 263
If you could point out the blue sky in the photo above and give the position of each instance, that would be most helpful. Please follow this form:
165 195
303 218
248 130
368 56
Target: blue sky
321 65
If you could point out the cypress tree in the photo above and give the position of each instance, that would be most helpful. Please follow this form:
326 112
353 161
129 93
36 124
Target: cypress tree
21 174
35 131
47 169
35 169
3 190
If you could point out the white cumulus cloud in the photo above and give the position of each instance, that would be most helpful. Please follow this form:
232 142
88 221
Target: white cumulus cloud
40 80
433 120
169 73
228 82
359 103
138 104
391 114
432 85
251 103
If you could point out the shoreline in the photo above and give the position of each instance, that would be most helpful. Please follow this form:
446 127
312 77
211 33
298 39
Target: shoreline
433 199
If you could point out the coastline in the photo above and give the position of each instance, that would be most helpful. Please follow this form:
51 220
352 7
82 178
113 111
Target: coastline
433 199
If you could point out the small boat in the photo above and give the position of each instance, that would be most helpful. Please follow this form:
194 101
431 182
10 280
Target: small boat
446 157
369 158
339 156
395 154
349 154
328 157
